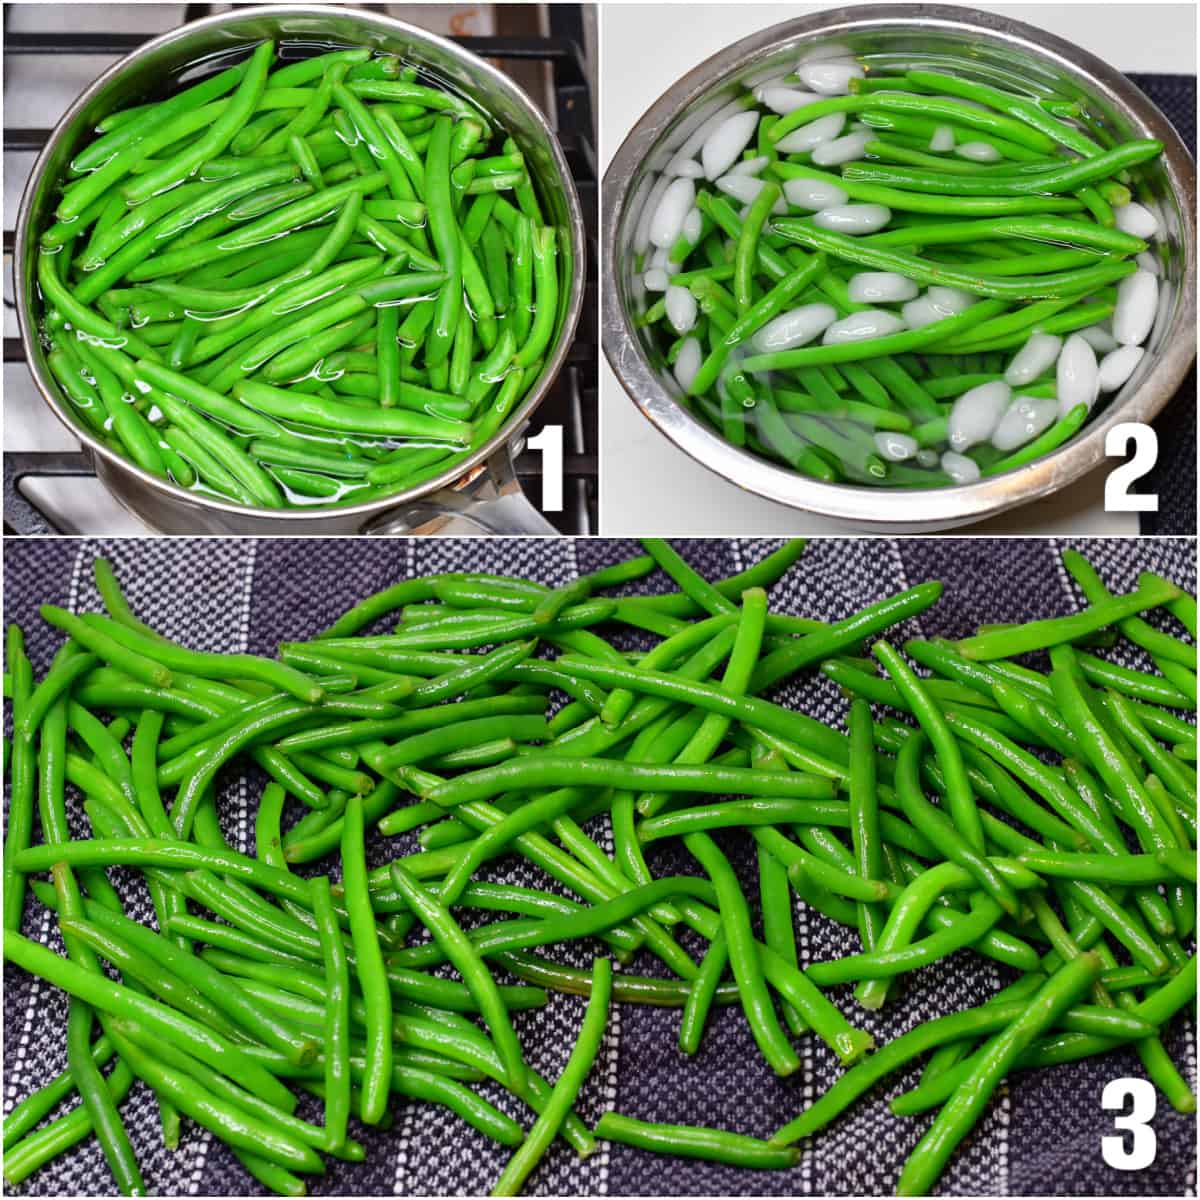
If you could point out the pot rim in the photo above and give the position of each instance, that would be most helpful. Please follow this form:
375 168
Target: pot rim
23 286
882 507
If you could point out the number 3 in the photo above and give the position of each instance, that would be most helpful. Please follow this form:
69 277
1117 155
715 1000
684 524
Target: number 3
1136 1151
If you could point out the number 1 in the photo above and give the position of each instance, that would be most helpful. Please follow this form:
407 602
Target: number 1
550 443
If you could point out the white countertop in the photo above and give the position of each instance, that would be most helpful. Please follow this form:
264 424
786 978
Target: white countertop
645 48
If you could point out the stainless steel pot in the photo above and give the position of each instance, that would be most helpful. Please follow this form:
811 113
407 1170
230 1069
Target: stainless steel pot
483 490
989 46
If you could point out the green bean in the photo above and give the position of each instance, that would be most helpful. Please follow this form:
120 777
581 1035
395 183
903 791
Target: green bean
952 110
1130 869
215 988
959 800
196 207
937 827
748 710
1134 628
407 985
348 418
236 112
337 1015
107 648
44 1144
1053 284
425 747
1038 635
1179 862
1139 685
702 993
1052 180
874 618
233 1123
832 878
693 585
380 148
105 748
95 1098
545 273
1103 1024
79 196
153 852
425 1085
530 816
673 646
1061 431
407 92
1105 755
552 771
943 1031
779 932
206 452
19 820
278 1180
132 429
110 997
1173 774
767 571
962 1110
864 815
459 950
443 227
704 741
917 202
194 662
135 965
372 979
1042 226
228 938
690 1141
175 1062
1042 779
561 1099
735 922
1182 608
406 592
765 811
632 989
1028 111
882 963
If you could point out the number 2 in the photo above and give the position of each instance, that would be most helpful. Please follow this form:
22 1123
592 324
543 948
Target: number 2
1134 1149
1117 497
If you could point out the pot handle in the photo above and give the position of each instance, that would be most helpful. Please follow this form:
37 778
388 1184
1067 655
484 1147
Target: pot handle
22 516
494 502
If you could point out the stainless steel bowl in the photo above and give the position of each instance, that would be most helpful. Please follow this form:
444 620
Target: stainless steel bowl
990 47
482 490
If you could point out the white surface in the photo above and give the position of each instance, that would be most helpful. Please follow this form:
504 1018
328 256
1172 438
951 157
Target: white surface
645 48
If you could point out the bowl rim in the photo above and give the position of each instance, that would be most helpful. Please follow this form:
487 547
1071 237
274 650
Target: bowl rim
465 471
862 506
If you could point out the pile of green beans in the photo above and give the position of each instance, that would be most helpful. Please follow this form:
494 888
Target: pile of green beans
1014 795
914 296
308 284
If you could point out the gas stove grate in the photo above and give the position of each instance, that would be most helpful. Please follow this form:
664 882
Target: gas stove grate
572 401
